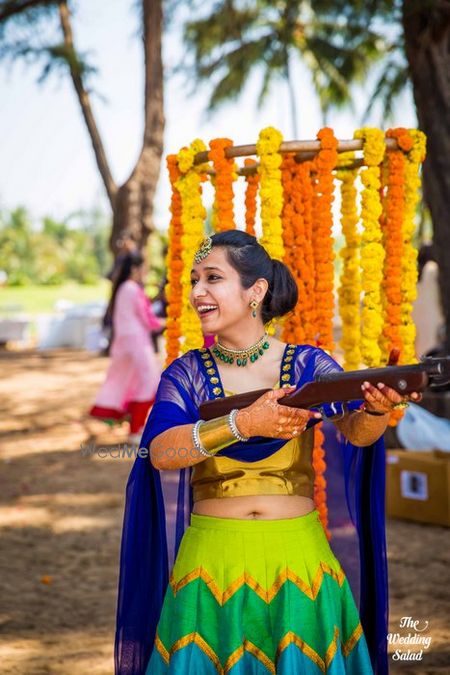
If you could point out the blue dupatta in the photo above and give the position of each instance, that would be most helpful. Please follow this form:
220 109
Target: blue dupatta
152 529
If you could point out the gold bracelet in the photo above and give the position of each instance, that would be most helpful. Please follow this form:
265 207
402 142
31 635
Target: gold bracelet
216 434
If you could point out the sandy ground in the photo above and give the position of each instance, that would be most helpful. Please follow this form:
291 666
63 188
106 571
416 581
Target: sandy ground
60 521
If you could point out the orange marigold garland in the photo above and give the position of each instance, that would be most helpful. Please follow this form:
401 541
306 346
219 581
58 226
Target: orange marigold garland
293 238
174 264
324 164
306 194
252 180
292 241
297 233
393 242
298 194
320 483
225 169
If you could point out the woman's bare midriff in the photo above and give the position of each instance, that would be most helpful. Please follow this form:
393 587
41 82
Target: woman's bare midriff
263 507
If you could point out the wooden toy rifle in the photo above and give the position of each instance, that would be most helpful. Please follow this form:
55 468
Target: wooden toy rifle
343 386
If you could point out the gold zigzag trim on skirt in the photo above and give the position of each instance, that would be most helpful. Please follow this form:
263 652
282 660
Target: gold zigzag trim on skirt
352 640
266 595
247 646
159 646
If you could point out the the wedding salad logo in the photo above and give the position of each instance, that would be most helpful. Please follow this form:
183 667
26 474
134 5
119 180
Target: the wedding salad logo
415 637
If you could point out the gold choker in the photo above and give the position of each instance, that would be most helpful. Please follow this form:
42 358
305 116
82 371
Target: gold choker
241 356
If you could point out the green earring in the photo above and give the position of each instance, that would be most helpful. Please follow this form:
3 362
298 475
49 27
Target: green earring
254 304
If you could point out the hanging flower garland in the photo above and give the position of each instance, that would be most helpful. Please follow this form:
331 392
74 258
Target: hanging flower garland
293 238
252 180
306 195
372 251
271 197
320 483
225 168
350 286
324 164
174 265
409 260
393 242
192 217
271 191
322 246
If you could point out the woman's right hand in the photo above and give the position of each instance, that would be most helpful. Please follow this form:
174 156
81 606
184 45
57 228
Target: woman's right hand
265 417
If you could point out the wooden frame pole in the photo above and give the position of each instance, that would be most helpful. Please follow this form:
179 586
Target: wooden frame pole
305 149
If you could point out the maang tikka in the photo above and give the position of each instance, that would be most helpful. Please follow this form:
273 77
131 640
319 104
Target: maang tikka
204 250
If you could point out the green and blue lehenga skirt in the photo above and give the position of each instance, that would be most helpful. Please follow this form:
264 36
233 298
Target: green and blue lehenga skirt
251 597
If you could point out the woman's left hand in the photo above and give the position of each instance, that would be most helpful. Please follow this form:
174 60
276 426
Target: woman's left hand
383 399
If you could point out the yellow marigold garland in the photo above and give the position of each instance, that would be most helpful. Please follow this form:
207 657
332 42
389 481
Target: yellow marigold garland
270 191
174 264
372 251
252 180
409 260
350 286
225 168
192 218
271 196
324 164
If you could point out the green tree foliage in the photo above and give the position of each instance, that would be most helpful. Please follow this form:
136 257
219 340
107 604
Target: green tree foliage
231 39
75 249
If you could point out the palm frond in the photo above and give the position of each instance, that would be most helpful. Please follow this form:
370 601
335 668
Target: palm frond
236 66
392 81
340 41
31 31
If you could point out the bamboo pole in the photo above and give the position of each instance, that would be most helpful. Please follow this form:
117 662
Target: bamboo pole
304 149
249 170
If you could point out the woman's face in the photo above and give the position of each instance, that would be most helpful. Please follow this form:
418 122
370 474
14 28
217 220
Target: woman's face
218 296
138 273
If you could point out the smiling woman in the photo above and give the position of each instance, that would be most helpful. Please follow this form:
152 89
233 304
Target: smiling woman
255 560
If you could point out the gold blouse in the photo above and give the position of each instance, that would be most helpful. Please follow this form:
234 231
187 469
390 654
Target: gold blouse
288 471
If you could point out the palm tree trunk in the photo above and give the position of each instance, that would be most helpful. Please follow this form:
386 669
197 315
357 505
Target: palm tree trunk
85 104
132 202
427 42
134 209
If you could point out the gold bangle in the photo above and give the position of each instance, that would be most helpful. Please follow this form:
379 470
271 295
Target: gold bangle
216 434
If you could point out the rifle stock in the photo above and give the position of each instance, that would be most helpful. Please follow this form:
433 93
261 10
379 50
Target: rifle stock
342 386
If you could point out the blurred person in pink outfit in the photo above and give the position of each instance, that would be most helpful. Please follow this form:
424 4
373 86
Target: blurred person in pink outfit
134 371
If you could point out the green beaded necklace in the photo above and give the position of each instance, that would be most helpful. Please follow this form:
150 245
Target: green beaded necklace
241 356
